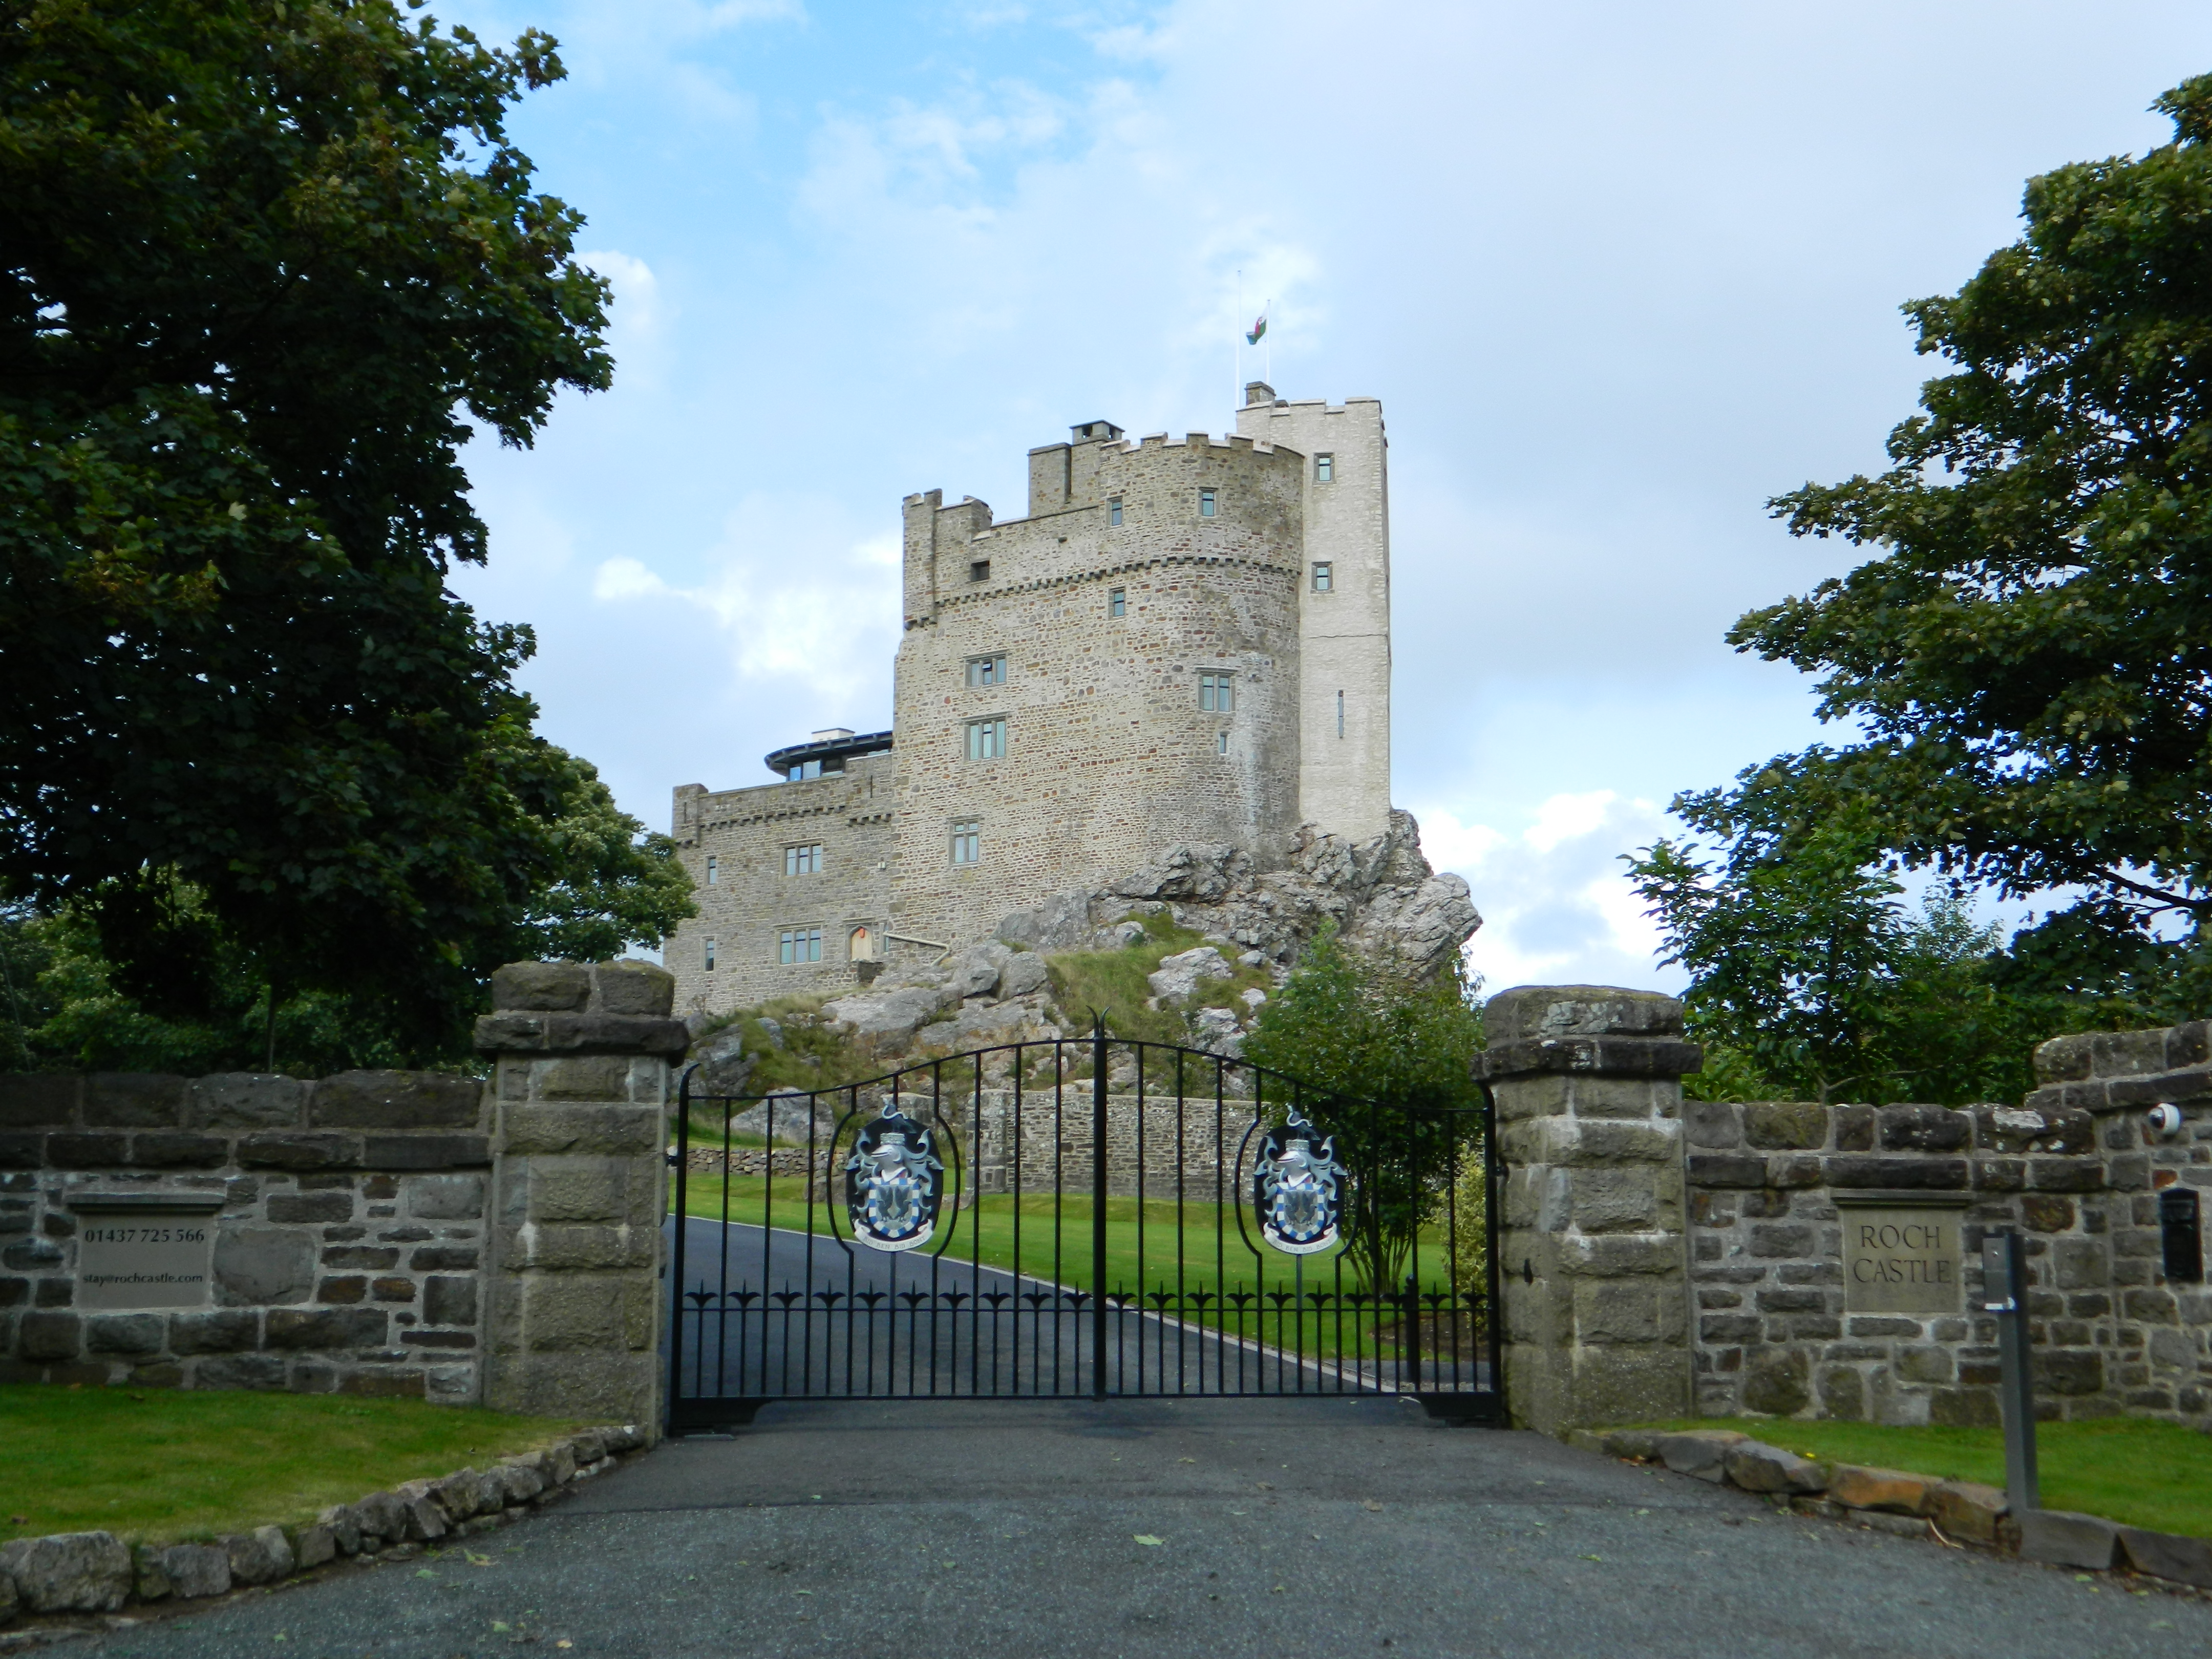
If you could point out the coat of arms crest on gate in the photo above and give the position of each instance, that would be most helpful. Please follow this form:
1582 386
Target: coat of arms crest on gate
1297 1188
894 1182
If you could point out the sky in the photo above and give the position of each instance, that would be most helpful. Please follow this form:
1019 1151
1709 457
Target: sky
1619 273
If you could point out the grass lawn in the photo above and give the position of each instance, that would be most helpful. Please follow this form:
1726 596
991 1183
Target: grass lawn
2130 1469
1215 1257
158 1465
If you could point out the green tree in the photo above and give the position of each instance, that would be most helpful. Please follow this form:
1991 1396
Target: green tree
2026 657
264 268
192 1001
1809 978
1389 1062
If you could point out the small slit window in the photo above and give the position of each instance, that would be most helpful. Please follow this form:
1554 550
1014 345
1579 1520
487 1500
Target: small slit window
1216 693
1205 503
796 945
986 671
1114 510
986 739
1117 601
714 869
1324 468
1220 743
707 955
979 570
968 841
803 861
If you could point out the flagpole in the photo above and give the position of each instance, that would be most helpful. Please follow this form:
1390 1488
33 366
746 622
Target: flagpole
1270 358
1236 346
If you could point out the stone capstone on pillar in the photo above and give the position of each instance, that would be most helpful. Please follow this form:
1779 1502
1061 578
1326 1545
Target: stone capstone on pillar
1587 1082
581 1059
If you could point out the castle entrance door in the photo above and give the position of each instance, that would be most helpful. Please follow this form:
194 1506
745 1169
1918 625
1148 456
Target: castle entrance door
1086 1217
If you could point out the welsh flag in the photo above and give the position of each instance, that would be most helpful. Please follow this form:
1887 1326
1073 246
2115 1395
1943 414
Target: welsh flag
1258 329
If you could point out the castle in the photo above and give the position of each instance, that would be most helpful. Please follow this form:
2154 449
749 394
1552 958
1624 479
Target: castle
1184 642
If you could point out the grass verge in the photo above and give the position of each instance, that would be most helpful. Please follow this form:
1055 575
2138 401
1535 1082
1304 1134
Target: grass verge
2134 1470
159 1465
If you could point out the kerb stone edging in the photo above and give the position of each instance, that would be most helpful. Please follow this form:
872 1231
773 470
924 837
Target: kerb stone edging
96 1573
1957 1512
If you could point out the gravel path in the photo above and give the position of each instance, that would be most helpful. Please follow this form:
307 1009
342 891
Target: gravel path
1285 1528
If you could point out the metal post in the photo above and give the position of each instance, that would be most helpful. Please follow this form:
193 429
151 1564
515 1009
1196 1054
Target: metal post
1098 1207
2004 1293
676 1268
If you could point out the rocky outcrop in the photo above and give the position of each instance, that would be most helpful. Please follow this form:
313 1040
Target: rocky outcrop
1386 901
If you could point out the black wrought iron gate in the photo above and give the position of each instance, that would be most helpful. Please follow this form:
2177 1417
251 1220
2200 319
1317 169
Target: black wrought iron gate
1080 1218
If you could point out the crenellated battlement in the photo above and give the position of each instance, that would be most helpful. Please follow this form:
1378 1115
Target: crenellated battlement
1183 639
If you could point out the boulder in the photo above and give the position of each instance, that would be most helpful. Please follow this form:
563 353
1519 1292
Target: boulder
1892 1490
1177 978
69 1572
2063 1538
1205 872
1699 1452
975 972
260 1557
2168 1555
1756 1467
1967 1510
197 1569
721 1064
782 1116
1061 922
1216 1031
381 1515
1023 975
887 1017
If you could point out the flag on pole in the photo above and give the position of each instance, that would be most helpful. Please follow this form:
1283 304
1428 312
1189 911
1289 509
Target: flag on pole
1259 328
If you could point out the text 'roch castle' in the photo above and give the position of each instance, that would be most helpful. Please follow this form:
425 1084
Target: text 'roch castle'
1186 640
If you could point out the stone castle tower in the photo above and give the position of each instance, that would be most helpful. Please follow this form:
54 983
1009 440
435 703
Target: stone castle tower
1183 640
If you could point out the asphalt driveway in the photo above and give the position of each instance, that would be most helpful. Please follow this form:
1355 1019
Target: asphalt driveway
1285 1528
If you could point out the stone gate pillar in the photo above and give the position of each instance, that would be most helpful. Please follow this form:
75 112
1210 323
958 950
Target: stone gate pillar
1591 1254
579 1181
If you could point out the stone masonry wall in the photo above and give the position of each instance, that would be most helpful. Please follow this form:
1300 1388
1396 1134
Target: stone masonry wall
2077 1168
749 902
350 1246
399 1233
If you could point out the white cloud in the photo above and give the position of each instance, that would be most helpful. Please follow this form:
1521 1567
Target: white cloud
1555 900
788 595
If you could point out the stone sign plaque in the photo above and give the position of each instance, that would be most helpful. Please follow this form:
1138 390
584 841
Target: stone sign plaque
144 1250
1901 1257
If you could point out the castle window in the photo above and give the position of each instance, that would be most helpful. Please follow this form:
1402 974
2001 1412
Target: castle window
803 861
1117 601
979 570
796 945
1220 743
708 956
968 841
1114 509
986 739
986 671
1216 693
1324 468
713 869
1324 578
1339 714
1205 503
